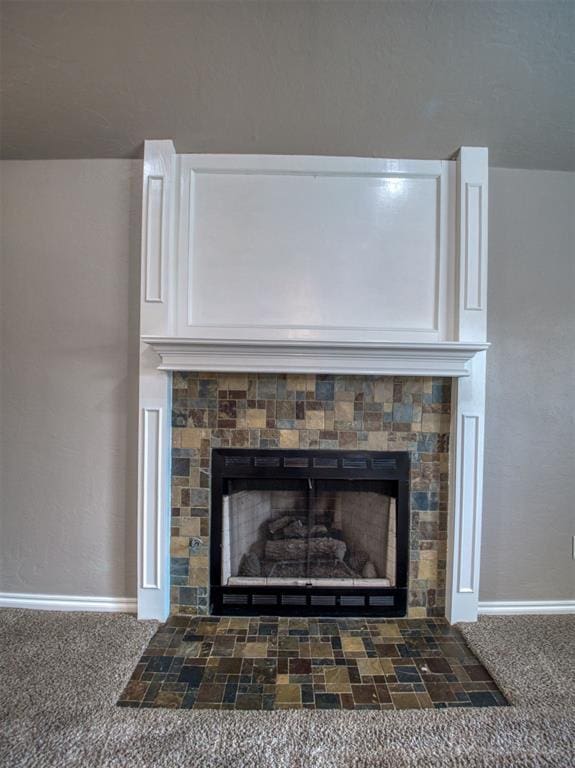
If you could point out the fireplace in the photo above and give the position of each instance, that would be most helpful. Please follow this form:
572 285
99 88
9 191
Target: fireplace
309 532
397 364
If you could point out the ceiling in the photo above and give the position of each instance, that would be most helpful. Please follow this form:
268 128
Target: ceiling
94 78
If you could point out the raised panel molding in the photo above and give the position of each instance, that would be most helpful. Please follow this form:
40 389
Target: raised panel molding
158 268
151 497
473 247
154 490
466 493
186 263
378 184
471 256
468 460
153 244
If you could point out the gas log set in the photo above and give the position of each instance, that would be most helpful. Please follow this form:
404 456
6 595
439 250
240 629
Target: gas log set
293 548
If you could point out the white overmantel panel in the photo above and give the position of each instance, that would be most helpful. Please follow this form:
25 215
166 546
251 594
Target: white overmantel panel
315 248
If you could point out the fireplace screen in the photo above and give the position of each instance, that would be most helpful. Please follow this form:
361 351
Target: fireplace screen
309 532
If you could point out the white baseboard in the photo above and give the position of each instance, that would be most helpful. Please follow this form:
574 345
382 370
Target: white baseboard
130 605
505 607
68 602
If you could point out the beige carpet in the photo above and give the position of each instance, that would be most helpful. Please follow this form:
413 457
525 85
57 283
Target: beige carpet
60 675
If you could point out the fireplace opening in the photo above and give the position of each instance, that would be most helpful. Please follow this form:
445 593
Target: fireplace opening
309 532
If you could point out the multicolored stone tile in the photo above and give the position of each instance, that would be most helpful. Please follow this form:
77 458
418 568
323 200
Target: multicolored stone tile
212 410
284 663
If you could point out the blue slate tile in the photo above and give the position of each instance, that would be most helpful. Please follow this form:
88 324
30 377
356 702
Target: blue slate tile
191 675
402 413
407 674
180 467
327 701
420 500
324 390
482 699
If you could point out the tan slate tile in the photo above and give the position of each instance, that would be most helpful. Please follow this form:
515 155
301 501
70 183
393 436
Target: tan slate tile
288 694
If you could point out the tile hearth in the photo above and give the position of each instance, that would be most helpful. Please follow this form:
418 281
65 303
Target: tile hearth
285 663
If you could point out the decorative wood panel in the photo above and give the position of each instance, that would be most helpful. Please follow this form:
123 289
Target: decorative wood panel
158 268
314 248
466 493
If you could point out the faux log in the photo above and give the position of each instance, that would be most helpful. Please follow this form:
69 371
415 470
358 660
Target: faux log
297 530
250 565
297 549
369 571
276 525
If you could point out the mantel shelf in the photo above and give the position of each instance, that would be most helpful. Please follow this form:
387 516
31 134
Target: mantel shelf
367 358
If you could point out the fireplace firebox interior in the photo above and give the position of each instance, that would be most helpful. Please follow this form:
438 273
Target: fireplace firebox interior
309 532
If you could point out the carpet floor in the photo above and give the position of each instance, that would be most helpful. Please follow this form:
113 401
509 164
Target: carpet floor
61 674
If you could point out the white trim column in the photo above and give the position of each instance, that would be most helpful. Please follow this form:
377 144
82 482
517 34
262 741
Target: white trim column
154 427
468 398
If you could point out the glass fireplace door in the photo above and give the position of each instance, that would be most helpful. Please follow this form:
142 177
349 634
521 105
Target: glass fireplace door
308 532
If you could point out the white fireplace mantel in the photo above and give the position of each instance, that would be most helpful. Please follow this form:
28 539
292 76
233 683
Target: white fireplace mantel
367 358
313 265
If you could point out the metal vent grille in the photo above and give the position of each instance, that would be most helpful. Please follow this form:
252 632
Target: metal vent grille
296 461
354 463
352 600
382 600
264 599
388 464
325 463
294 600
266 461
244 461
322 600
231 599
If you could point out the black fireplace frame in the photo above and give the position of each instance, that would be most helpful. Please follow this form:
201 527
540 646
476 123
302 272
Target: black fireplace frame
273 464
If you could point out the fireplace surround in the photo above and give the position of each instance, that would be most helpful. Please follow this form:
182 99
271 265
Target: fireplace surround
312 265
263 412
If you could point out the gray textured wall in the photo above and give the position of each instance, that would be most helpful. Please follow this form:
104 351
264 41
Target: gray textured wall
70 252
403 78
529 504
69 376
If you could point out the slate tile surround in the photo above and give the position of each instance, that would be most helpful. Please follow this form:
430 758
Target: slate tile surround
212 410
